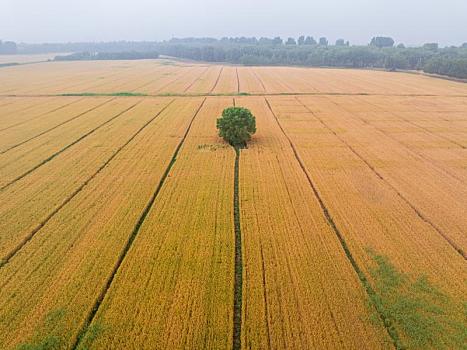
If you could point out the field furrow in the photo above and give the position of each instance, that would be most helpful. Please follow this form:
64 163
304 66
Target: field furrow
22 134
26 204
50 287
23 110
441 199
300 291
248 81
175 286
206 82
227 81
127 222
29 156
185 81
381 226
435 133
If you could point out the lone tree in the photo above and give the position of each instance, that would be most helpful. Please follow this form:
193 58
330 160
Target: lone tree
236 125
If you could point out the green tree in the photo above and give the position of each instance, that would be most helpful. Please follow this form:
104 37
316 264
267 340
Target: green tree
301 40
323 41
431 46
291 41
309 40
382 41
277 40
236 125
340 42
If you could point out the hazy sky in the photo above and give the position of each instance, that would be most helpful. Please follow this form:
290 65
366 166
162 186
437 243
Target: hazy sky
408 21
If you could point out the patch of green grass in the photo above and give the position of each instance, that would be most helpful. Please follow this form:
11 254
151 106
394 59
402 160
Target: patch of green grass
128 94
123 93
54 317
421 312
168 94
54 338
92 333
48 343
243 94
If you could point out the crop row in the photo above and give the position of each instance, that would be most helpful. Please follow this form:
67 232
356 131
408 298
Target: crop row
354 166
50 286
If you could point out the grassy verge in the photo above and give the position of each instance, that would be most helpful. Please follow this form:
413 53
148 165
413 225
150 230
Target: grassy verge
123 93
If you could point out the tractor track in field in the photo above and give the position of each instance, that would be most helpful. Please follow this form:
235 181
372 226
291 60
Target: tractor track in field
4 260
381 177
410 150
361 275
82 137
217 80
55 127
40 115
428 131
82 332
260 80
196 80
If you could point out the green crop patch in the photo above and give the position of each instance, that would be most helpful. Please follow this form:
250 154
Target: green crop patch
422 313
91 94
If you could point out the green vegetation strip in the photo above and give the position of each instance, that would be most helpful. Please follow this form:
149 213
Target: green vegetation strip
417 307
9 64
265 94
87 327
118 94
238 280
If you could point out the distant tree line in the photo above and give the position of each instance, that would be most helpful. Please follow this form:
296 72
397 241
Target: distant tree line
380 53
112 46
306 51
88 56
8 48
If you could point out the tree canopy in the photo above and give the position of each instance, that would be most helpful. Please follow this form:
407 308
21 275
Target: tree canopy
382 53
8 47
323 41
382 41
236 125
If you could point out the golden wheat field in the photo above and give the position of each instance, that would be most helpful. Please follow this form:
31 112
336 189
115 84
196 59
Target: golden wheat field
126 222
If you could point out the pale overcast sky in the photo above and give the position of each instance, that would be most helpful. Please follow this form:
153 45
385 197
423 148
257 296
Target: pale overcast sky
412 22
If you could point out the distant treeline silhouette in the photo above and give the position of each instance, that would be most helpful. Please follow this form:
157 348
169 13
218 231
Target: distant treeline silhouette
8 48
88 56
380 53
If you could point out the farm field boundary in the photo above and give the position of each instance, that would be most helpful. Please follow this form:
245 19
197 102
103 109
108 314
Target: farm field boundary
133 235
266 94
11 254
364 280
66 147
54 127
379 175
